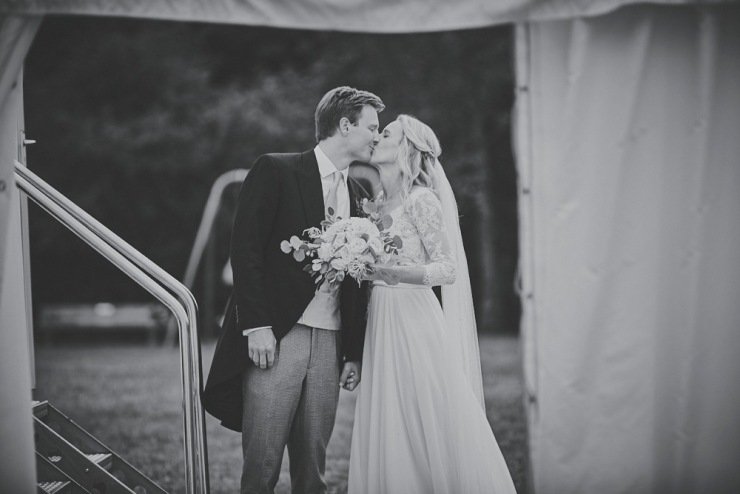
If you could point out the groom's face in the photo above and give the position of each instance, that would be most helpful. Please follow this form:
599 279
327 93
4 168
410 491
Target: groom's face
363 135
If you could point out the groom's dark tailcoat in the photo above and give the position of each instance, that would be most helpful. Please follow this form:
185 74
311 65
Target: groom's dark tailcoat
281 197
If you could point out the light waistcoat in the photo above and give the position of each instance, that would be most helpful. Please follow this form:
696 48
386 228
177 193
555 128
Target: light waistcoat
323 310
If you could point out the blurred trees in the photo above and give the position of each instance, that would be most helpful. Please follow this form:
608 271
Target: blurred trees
135 119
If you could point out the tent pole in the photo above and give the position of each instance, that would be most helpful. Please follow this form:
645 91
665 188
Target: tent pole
522 146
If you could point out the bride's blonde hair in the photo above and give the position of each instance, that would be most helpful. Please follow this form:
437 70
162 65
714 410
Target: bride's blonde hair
417 154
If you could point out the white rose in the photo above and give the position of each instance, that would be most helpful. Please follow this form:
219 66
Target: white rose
363 225
357 245
376 244
325 251
341 225
339 264
340 239
342 252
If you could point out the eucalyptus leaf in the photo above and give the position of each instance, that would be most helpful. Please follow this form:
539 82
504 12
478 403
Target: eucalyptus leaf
369 207
386 221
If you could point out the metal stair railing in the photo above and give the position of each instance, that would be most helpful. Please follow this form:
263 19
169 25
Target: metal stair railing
204 230
179 300
209 217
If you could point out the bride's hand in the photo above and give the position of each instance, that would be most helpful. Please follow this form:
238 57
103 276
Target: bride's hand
385 273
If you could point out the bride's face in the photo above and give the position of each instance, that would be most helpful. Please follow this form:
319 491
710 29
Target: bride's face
386 150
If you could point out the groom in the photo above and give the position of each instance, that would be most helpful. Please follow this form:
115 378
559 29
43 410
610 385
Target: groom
276 375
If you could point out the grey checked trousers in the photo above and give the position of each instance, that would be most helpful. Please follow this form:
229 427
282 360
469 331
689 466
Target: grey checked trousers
293 403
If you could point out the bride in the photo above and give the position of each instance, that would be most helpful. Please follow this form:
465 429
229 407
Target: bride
420 423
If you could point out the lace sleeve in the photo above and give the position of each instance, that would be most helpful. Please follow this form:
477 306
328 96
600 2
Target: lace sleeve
425 211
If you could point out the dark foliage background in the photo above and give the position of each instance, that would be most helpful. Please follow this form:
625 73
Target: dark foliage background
136 119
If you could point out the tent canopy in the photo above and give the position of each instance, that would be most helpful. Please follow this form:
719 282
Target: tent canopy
379 16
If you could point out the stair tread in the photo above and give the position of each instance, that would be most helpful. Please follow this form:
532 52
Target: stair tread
39 409
66 447
98 457
54 486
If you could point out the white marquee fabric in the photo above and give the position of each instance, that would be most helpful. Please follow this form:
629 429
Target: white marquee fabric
628 143
344 15
17 464
16 34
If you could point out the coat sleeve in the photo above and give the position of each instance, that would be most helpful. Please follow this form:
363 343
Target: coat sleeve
255 214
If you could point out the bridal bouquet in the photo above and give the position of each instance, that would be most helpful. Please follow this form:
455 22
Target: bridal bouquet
342 247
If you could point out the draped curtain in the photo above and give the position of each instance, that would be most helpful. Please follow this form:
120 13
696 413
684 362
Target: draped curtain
17 464
628 152
16 34
378 16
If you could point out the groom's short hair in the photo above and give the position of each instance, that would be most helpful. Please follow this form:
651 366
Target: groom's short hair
343 101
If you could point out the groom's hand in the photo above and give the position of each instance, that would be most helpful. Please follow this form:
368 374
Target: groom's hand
262 345
350 377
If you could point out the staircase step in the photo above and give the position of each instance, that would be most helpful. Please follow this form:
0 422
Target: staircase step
40 409
52 480
102 459
74 463
53 487
86 449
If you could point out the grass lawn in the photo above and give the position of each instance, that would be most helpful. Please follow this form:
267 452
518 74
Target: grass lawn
128 396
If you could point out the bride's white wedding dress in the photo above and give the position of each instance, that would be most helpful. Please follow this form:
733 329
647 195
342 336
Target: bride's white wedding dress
419 426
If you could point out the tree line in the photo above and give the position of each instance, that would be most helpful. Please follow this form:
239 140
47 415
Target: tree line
135 120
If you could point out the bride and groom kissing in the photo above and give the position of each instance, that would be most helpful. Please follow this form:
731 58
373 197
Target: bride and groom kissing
287 346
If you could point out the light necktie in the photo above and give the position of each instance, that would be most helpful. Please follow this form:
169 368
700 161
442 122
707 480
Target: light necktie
332 196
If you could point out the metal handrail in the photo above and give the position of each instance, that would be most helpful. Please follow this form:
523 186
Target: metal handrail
206 223
152 278
204 229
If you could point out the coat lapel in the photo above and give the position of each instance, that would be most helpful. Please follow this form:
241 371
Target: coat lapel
357 193
354 198
309 184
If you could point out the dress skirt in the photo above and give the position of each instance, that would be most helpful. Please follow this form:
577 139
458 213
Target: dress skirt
418 427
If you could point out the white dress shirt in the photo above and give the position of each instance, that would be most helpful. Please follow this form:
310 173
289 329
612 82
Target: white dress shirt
323 310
